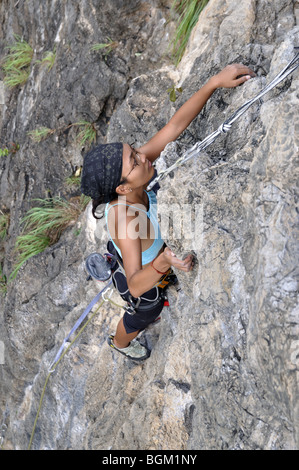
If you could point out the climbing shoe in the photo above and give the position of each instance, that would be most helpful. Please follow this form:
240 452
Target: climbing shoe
134 351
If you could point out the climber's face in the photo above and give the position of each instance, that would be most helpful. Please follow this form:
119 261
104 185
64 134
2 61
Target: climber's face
137 170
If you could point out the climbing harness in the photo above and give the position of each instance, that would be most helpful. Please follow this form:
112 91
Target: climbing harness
149 299
226 125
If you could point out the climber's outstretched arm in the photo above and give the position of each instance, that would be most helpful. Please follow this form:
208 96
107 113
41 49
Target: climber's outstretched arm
231 76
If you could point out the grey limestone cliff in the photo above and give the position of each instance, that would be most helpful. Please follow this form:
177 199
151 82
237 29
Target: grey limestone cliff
223 373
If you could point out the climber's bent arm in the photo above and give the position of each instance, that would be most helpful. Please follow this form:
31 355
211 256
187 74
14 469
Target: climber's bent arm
142 278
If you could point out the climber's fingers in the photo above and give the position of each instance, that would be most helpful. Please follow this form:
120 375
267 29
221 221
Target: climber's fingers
233 75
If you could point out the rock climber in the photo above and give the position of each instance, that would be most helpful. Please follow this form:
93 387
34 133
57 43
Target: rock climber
118 174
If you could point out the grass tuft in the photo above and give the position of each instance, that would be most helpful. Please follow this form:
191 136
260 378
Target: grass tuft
4 224
87 134
16 64
43 226
189 11
105 47
49 59
37 135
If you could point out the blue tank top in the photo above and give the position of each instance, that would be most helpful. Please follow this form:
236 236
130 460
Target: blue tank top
151 253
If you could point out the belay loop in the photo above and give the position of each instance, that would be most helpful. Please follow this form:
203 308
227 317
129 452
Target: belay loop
226 126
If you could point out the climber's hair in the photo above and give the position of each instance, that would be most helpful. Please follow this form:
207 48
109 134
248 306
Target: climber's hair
100 201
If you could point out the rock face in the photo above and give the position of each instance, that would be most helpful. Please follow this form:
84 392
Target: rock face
223 373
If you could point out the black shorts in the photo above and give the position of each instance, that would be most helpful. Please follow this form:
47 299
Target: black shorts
149 306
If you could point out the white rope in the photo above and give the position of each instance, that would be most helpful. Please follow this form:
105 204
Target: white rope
226 125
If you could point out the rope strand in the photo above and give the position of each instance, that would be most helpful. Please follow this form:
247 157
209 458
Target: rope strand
63 351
